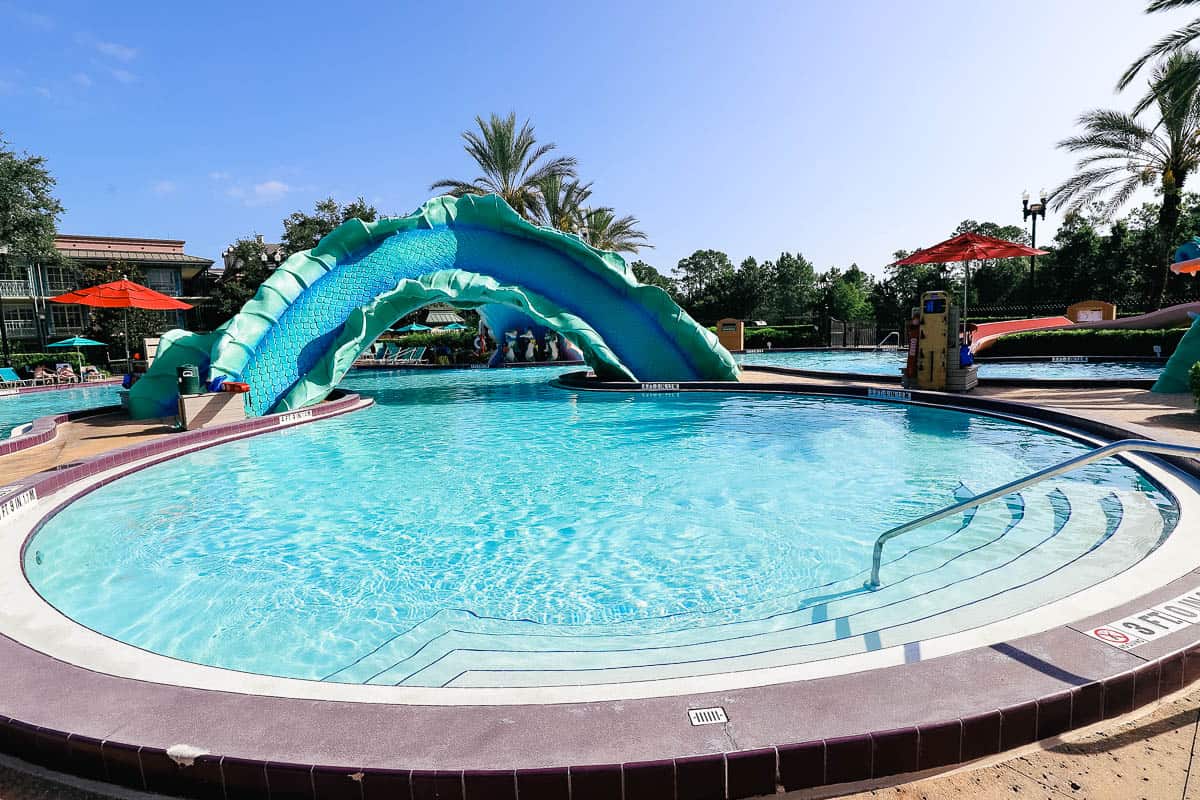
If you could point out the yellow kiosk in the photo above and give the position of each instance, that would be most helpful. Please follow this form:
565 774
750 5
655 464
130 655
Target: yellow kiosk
935 341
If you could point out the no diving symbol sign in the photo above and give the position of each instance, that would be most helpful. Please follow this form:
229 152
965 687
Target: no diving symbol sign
1111 636
1151 623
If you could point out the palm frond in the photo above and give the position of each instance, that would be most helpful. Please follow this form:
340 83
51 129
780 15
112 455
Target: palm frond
1176 40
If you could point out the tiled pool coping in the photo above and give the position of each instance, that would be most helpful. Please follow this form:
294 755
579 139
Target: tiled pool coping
924 715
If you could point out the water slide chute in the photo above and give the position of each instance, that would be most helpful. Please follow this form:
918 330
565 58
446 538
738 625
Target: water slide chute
300 333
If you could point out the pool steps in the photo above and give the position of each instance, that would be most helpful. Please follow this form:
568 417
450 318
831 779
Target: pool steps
1048 542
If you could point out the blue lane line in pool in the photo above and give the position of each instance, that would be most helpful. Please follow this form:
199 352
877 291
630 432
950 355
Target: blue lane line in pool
1016 507
1062 508
778 649
1170 518
1114 512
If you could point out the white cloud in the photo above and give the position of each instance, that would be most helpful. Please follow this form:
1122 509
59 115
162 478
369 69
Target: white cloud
120 52
163 187
44 92
270 190
123 75
82 79
219 175
260 194
115 50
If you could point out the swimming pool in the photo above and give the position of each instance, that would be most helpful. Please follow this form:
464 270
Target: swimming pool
890 362
18 409
486 528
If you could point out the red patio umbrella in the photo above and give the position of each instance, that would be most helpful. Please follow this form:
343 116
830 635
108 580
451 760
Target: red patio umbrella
122 294
968 247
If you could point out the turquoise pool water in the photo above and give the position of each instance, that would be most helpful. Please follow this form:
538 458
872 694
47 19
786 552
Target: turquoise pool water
21 408
477 527
870 362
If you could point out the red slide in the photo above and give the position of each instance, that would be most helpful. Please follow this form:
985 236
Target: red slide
987 332
1170 317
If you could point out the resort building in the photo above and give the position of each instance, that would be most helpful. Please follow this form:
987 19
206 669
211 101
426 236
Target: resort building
26 288
272 255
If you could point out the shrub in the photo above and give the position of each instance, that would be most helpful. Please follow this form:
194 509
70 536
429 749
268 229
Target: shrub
1090 342
1194 375
783 336
25 362
453 339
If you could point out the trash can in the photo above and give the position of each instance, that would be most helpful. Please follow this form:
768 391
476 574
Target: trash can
188 376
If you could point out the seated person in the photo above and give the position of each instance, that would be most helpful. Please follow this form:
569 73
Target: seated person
64 373
90 373
41 373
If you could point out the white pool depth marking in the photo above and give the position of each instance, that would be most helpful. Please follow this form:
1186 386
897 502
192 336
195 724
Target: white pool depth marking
1151 623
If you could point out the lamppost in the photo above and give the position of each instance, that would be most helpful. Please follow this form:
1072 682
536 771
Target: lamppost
1033 211
3 322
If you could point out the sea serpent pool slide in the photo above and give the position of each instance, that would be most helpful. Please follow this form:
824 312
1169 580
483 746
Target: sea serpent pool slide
295 340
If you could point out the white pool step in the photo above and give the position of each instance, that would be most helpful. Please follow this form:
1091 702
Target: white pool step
1065 537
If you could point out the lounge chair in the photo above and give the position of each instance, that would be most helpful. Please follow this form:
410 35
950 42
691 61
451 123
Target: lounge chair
410 355
369 356
9 378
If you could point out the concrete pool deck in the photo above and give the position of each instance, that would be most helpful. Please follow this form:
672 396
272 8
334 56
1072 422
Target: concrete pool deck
750 762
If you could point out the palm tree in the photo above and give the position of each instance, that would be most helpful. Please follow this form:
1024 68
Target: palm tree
1172 43
1122 154
604 230
562 203
512 164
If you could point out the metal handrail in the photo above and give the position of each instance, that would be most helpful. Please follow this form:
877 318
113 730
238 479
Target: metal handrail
884 340
1125 445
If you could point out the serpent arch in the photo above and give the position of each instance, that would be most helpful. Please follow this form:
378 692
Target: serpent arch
322 308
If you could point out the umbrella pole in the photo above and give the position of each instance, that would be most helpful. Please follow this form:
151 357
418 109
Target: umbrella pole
128 359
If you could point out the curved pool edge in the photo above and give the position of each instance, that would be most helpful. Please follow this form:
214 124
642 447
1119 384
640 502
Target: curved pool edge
45 428
1030 383
929 714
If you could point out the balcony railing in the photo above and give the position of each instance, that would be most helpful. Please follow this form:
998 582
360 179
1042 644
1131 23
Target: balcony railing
59 287
15 289
20 329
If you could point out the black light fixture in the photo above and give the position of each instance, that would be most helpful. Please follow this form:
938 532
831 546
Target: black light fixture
1033 210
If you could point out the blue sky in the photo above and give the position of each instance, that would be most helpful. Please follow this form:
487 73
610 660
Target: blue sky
842 130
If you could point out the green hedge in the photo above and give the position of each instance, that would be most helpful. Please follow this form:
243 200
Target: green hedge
25 362
1195 378
453 339
1092 342
783 336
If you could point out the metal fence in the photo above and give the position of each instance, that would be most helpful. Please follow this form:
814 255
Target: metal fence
851 334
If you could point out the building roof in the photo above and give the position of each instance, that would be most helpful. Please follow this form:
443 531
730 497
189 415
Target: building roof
167 252
441 314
